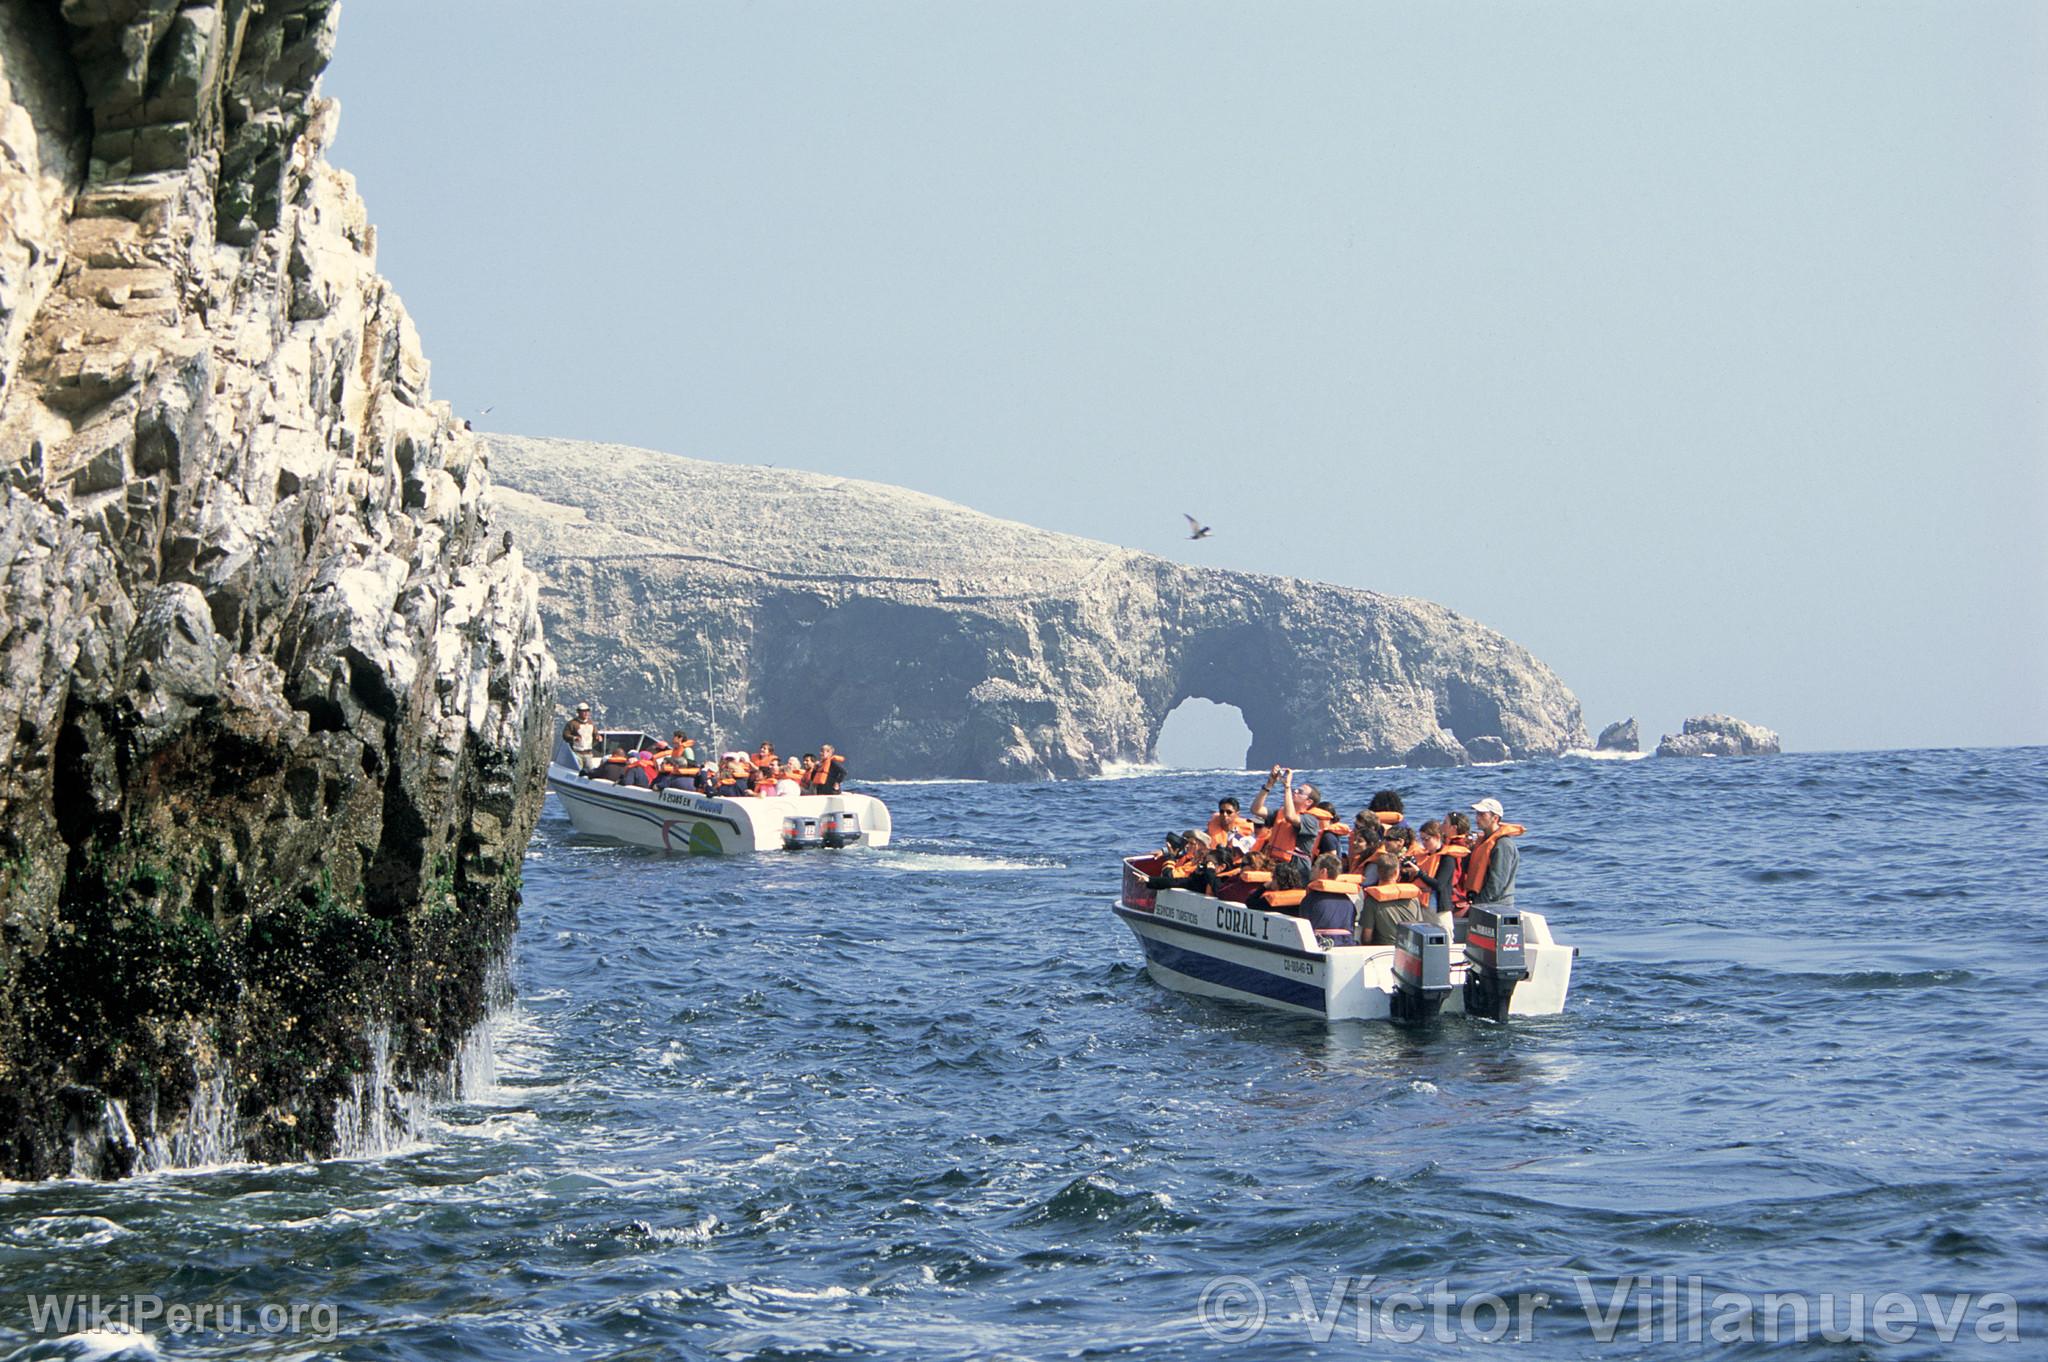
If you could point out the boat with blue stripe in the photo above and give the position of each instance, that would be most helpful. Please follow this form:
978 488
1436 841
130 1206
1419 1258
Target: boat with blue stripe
1222 947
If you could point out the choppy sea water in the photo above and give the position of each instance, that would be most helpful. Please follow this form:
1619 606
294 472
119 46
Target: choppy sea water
924 1103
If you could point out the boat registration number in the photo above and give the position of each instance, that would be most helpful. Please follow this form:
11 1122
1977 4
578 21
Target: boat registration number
685 800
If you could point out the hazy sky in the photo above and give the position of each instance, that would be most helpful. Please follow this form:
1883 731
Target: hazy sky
1703 348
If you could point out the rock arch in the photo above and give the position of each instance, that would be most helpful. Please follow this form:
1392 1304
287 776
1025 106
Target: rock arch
931 640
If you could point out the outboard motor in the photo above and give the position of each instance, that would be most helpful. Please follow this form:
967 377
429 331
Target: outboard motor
1422 971
839 829
1494 959
799 832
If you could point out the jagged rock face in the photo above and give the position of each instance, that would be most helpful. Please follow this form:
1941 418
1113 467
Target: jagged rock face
274 701
1718 735
929 640
1620 737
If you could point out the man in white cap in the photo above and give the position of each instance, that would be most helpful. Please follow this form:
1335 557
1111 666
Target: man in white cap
581 735
1490 869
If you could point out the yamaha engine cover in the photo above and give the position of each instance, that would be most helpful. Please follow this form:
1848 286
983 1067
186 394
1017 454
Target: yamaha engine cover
1494 959
1422 971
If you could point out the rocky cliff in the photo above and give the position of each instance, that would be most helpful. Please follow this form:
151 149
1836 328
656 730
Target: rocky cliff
930 640
274 687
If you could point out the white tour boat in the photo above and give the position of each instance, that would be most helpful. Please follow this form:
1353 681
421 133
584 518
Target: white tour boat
702 825
1218 948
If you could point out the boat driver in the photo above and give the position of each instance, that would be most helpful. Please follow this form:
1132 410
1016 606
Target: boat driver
581 735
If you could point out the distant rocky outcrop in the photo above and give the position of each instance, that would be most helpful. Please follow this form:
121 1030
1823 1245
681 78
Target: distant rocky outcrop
1437 750
1487 748
931 640
273 696
1718 735
1620 737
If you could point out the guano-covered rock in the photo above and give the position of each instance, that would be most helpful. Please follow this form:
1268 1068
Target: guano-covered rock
927 639
1719 735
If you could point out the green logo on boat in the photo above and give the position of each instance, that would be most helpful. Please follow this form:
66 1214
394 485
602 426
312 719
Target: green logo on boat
703 840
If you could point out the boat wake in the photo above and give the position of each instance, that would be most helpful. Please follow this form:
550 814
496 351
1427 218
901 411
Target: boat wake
956 863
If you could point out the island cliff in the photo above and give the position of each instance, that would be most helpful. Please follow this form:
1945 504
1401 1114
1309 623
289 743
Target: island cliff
274 694
930 640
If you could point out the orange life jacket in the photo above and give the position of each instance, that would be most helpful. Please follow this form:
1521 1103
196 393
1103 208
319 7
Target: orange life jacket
1336 886
1281 837
1390 893
1219 832
1285 898
1387 817
1429 861
1482 855
1258 877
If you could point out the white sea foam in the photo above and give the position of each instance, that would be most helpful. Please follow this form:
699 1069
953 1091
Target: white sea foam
114 1343
947 863
951 780
1594 754
1128 770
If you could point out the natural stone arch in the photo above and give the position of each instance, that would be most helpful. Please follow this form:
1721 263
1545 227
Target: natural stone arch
930 640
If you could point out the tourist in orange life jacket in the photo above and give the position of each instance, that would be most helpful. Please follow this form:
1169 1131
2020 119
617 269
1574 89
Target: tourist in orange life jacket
733 780
613 766
639 772
1367 834
1187 865
1458 833
830 772
809 774
1390 901
1227 823
1288 888
1334 833
789 783
1436 867
1328 906
682 750
1290 830
1490 869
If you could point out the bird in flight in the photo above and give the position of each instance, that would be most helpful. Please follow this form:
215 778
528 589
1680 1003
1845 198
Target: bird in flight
488 410
1196 529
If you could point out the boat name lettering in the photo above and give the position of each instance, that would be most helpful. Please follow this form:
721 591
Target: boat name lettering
1173 914
1243 921
688 801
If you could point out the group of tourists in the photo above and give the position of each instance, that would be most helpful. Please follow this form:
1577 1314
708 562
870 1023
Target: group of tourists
676 765
1299 856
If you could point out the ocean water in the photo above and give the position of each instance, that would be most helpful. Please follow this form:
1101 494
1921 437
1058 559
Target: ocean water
924 1103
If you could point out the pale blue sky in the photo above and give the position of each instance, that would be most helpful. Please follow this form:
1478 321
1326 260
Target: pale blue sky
1703 348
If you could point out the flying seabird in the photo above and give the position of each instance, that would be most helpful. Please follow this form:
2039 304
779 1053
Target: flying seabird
1196 529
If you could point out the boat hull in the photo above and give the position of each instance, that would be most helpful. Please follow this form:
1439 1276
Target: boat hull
1217 949
684 822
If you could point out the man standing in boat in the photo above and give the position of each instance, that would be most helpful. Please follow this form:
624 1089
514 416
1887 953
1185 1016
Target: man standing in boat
581 735
830 772
1490 869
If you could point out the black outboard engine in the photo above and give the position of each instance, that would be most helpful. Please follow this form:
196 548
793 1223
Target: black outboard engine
1422 971
1494 961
